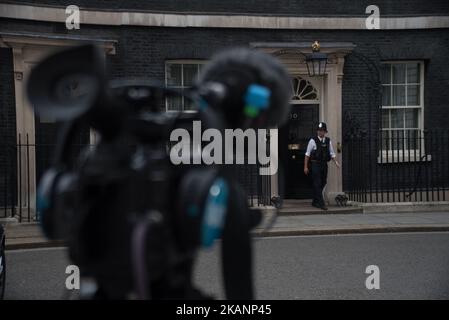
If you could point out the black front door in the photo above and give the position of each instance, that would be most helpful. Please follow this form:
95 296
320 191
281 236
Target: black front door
293 140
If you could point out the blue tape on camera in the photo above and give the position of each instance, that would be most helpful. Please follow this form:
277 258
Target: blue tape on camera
214 212
257 98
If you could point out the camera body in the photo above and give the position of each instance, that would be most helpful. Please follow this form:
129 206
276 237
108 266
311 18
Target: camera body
133 221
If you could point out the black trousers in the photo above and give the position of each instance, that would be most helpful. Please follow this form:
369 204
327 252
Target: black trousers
319 180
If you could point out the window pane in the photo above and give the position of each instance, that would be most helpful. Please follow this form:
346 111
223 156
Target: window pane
411 118
385 118
399 72
386 95
413 73
200 67
174 103
189 105
174 75
413 98
399 95
397 139
411 139
190 74
385 73
397 118
385 140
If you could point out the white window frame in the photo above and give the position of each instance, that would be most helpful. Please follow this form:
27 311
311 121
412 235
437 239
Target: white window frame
392 156
181 62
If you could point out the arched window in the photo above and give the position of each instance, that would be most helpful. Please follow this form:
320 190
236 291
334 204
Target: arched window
303 89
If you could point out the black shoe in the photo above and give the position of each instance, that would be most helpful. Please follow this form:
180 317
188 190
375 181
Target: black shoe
316 205
323 207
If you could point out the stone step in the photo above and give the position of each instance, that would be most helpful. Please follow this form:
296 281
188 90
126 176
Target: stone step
291 207
308 209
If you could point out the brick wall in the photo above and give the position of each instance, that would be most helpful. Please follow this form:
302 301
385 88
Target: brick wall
7 99
7 123
141 52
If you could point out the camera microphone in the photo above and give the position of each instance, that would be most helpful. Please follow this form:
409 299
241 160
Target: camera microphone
247 87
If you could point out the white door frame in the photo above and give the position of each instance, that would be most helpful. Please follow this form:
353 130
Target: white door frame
330 86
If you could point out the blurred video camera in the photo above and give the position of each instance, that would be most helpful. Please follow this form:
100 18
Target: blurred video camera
133 221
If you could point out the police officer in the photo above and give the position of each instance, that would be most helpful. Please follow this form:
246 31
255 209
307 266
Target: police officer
319 152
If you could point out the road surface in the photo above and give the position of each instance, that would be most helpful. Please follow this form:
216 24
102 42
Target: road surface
412 266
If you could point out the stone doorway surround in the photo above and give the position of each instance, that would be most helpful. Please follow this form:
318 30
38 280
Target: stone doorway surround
28 49
292 55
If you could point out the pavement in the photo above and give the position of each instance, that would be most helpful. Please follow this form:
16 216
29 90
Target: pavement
29 235
322 224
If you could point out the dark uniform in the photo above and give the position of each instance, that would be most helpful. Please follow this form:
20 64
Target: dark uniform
319 159
320 152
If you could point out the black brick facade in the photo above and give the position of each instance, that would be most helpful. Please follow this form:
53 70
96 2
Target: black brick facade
263 7
7 97
7 123
142 51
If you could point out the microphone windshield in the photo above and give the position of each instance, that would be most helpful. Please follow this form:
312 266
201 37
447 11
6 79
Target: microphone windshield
257 88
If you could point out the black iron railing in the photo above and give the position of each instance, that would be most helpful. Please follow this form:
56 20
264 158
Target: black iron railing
257 187
22 165
397 166
9 177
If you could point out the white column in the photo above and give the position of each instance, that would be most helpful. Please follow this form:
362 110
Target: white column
332 115
26 169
